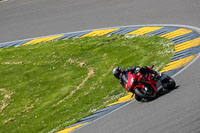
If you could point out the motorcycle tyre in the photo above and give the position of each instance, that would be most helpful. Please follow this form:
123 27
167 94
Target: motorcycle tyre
140 94
138 98
170 84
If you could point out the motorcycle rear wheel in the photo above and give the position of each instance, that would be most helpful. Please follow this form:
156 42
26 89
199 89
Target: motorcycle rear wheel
138 98
140 93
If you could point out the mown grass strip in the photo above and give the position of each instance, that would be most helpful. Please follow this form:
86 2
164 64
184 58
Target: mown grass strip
45 87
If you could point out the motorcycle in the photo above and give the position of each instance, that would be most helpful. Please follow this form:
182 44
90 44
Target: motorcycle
148 87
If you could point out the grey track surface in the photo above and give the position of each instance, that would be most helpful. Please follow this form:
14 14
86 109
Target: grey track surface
21 19
177 112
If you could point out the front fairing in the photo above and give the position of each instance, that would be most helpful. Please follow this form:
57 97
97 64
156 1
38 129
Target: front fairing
130 81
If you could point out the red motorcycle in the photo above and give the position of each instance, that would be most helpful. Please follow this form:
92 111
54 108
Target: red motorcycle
148 87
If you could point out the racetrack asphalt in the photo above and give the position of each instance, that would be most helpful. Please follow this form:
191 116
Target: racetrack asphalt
22 19
177 111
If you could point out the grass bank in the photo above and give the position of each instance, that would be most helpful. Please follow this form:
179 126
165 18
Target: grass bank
45 87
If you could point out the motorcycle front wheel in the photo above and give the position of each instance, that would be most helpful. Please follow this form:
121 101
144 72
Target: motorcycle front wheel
168 82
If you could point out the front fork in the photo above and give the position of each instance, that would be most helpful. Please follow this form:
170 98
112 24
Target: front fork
159 85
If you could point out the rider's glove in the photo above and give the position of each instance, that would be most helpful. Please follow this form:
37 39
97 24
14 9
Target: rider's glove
158 75
137 70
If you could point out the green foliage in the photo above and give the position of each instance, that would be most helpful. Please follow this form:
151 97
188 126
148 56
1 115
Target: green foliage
45 87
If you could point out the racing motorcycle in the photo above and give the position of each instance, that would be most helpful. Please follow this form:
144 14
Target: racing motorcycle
148 87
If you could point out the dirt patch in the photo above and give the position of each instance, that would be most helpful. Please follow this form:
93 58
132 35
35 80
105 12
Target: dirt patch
27 109
2 89
4 105
11 63
10 119
79 63
90 74
109 71
7 96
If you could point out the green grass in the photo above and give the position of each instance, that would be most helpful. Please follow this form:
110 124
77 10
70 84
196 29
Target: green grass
46 87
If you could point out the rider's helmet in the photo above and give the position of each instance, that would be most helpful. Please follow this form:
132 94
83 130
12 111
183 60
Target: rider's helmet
117 71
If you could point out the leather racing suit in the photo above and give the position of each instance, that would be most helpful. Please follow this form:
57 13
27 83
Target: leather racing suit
143 70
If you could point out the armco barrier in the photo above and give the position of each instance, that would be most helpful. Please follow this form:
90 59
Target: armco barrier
187 49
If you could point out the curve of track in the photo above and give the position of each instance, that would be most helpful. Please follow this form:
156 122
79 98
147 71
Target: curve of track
178 111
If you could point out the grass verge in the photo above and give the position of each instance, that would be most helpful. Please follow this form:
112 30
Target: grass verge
44 88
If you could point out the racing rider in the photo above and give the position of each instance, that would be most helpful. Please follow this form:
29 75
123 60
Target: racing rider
122 75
